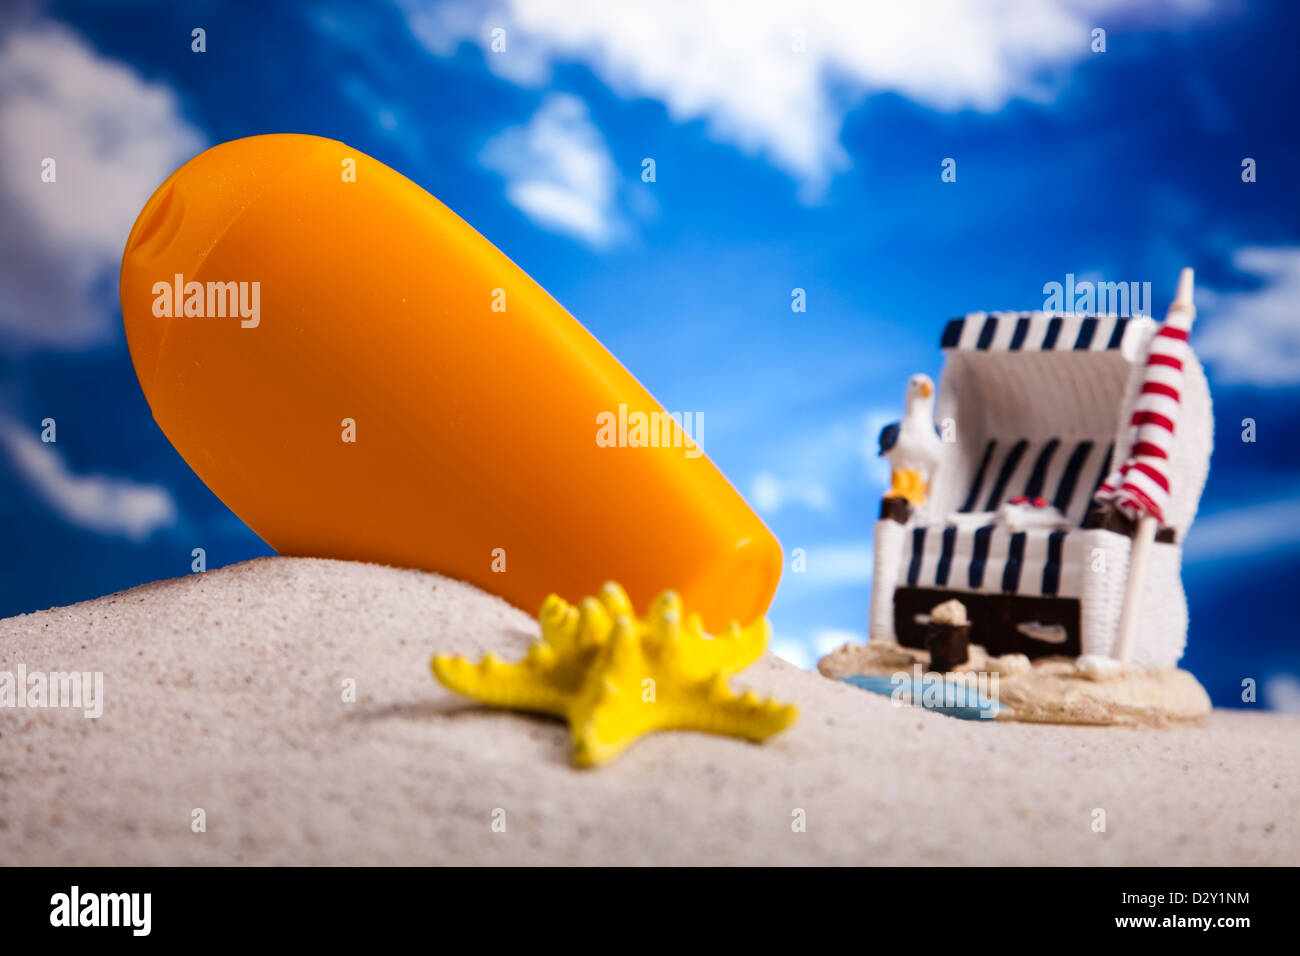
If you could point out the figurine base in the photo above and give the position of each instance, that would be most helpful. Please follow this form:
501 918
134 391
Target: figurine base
1048 691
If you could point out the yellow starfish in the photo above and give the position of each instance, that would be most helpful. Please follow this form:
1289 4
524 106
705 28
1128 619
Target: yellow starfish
614 677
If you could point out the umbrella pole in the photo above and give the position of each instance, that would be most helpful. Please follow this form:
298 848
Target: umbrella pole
1181 314
1143 538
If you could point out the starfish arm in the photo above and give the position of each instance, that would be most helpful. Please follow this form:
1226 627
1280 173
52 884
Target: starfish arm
737 647
594 623
615 600
523 686
601 738
612 710
610 718
726 653
716 710
559 623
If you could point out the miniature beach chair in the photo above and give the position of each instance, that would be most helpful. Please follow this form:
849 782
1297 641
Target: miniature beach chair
1039 407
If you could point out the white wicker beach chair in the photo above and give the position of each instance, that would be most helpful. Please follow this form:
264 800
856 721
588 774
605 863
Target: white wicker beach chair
1040 405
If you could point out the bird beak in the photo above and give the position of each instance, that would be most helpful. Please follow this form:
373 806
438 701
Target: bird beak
926 389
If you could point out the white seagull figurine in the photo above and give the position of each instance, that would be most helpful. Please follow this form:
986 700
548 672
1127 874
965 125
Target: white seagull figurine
913 447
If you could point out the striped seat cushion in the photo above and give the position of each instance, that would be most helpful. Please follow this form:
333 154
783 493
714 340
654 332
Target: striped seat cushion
994 560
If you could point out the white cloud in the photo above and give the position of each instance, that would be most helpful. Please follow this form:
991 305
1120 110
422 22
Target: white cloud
794 651
835 565
1255 529
1282 693
1253 337
115 506
770 493
806 652
559 172
823 642
735 66
114 138
841 454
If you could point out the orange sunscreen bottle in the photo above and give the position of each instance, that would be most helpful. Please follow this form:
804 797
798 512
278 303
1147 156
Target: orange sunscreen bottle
358 374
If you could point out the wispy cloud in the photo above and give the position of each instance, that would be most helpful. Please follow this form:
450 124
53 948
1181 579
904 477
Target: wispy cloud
113 138
805 652
794 651
1253 337
559 172
770 493
843 454
777 79
834 565
1255 529
1282 693
106 505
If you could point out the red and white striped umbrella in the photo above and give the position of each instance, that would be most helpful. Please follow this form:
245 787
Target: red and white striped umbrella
1140 486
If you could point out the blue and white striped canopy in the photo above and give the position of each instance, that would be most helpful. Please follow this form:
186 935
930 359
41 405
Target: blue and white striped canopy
1044 332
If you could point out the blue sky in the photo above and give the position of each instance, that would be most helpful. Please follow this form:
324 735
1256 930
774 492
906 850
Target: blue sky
795 146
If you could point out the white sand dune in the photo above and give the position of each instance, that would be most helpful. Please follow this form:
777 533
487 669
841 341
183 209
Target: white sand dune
224 691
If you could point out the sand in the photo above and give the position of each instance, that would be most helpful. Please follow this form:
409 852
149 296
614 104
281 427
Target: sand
224 691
